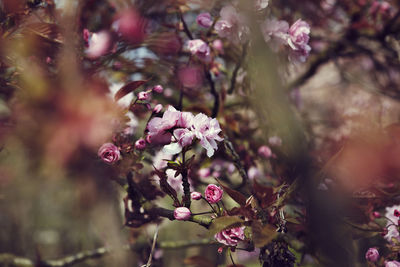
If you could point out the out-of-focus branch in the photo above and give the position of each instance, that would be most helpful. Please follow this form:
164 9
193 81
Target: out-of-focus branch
213 92
237 68
11 260
236 161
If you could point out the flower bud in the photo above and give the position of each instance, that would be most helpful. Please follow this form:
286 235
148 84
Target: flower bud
204 20
143 95
158 89
195 195
372 255
182 213
265 152
140 144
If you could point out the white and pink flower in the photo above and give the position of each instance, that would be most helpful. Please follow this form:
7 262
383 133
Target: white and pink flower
230 237
109 153
213 193
200 49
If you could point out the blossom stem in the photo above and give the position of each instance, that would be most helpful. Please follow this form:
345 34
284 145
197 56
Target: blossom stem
210 205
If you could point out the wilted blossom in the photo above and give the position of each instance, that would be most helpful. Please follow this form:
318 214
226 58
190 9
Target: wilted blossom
140 144
182 213
109 153
230 237
372 255
99 44
392 264
299 35
261 4
200 49
195 195
213 193
204 20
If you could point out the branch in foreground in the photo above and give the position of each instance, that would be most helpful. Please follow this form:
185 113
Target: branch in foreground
11 260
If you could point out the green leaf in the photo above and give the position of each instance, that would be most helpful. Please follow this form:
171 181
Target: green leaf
225 222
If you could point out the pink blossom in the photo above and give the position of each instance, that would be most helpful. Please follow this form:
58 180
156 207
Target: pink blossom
182 213
204 172
392 224
230 24
376 214
230 237
158 127
298 40
185 120
195 195
99 44
264 151
131 26
207 129
109 153
372 255
158 89
200 49
140 144
275 31
213 193
143 95
218 45
204 20
184 138
157 108
392 264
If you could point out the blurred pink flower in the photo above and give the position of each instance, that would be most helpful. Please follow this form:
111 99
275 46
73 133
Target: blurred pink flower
191 76
144 95
213 193
200 49
265 152
218 45
276 32
372 255
99 44
109 153
392 264
299 36
131 26
157 108
230 237
275 141
207 129
182 213
204 20
230 24
158 89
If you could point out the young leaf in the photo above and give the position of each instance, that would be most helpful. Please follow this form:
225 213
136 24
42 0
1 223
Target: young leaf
128 88
262 235
221 223
235 195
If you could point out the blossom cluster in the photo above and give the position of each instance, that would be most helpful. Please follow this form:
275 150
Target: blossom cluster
176 130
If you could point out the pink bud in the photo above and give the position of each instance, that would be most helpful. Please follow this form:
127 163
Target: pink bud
143 95
218 45
220 250
182 213
213 193
372 255
158 89
109 153
195 195
265 152
157 108
204 20
376 214
140 144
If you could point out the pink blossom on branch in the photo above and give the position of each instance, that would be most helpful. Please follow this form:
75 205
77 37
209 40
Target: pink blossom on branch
298 40
109 153
207 129
213 193
200 49
372 255
230 237
195 195
182 214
